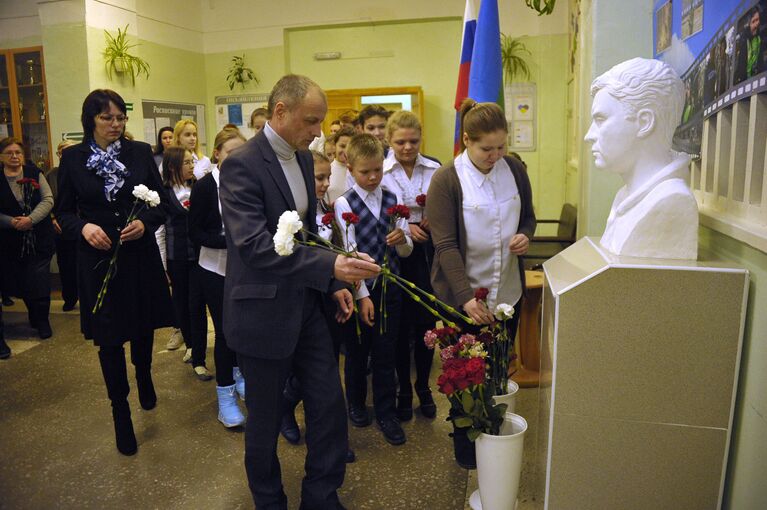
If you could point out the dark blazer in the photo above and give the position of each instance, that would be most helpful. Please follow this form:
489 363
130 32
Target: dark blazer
264 292
138 299
178 245
204 218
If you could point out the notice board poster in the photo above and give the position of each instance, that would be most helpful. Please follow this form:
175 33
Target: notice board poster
158 114
237 109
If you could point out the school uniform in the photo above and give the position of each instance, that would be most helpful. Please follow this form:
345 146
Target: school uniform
415 319
369 236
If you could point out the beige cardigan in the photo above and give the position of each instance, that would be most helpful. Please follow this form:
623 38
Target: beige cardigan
448 231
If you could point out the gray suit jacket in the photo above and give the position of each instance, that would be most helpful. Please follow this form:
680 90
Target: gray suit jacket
264 292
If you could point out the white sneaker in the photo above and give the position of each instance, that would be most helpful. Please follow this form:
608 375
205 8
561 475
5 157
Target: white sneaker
187 356
202 373
176 340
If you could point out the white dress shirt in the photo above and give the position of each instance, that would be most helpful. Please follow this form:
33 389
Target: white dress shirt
396 180
286 155
202 166
491 211
372 200
214 259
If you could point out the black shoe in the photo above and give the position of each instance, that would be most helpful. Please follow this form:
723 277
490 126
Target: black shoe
392 431
44 329
359 416
289 428
428 407
350 457
404 409
68 307
147 397
124 435
5 351
7 301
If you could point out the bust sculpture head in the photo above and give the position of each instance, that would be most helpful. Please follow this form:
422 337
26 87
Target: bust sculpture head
636 108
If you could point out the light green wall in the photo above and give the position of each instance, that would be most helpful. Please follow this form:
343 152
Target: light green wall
267 63
745 486
66 73
546 165
418 53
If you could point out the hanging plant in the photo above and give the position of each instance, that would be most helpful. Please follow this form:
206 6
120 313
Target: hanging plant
513 58
541 6
117 57
239 74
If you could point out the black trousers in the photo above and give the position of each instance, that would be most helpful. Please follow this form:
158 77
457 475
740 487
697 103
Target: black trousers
212 286
414 322
380 348
188 306
66 256
314 367
114 370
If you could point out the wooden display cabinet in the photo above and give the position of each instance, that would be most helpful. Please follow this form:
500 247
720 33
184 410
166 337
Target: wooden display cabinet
24 102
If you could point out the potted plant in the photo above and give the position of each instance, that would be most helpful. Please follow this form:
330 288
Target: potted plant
117 57
513 58
541 6
239 73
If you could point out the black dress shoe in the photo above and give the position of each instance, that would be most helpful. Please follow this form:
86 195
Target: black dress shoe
392 431
124 435
350 457
404 409
7 301
359 416
44 329
289 428
68 307
428 407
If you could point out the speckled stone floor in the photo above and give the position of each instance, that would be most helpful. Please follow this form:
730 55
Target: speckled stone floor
57 445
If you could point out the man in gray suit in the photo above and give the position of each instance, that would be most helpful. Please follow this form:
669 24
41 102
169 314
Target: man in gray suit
273 315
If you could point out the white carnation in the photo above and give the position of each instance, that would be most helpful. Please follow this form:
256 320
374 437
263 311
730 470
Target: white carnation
288 225
284 243
504 311
152 198
140 191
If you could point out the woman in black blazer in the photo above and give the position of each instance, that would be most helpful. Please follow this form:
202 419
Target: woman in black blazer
206 230
96 181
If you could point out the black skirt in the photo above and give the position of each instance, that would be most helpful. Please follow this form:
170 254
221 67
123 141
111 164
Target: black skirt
137 300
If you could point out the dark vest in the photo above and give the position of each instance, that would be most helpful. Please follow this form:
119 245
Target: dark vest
370 232
11 239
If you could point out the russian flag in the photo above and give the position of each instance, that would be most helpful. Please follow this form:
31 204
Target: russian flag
467 49
486 74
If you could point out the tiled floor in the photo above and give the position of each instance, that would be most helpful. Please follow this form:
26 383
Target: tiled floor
57 445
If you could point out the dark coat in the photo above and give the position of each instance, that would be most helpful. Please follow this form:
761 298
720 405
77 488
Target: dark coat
264 292
138 298
204 217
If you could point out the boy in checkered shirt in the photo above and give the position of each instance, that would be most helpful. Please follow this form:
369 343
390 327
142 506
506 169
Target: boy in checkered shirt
382 237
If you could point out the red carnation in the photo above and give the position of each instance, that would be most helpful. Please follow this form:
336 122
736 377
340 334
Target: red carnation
421 200
328 218
186 204
350 218
481 294
399 211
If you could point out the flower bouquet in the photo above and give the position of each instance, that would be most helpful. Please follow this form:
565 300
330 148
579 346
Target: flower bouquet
28 187
499 344
145 197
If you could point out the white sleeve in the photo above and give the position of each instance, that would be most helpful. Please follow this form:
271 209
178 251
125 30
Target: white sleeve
349 240
159 235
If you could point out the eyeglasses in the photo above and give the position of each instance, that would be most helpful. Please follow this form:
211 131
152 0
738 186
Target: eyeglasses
108 119
12 153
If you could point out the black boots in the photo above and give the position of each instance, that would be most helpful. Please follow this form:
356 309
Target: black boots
146 394
116 378
5 351
404 409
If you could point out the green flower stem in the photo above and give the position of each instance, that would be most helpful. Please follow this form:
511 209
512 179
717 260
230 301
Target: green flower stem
428 296
419 300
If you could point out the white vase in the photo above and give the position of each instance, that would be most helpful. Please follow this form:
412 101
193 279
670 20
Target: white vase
499 466
509 398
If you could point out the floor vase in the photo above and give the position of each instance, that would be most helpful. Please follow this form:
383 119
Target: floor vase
499 465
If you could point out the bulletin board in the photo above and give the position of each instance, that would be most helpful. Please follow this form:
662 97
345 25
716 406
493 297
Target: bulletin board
158 114
521 116
237 109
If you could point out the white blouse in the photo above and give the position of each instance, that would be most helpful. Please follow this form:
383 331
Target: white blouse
396 180
202 166
491 211
340 180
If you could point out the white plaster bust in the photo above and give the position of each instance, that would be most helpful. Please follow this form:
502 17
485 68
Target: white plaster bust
637 106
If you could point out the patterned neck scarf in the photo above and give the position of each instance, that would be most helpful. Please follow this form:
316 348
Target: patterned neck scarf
107 167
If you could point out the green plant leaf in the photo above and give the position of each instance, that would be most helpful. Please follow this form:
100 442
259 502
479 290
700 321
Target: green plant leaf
473 434
463 421
467 401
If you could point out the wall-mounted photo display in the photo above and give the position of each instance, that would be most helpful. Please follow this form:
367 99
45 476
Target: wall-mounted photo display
158 114
663 27
692 17
520 100
237 110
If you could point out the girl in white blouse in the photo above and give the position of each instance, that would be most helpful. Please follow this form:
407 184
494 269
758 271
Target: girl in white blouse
408 173
481 216
185 135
